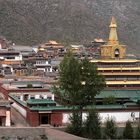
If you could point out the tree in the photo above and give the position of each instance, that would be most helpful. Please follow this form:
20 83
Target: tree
75 126
93 125
68 81
79 83
29 86
109 100
138 132
110 131
128 131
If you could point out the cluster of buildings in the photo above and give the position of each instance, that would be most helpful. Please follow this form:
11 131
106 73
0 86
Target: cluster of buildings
28 73
122 80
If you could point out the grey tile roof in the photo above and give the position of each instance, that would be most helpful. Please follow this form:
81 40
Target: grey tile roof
23 48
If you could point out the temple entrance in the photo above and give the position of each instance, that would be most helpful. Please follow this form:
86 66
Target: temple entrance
117 53
2 121
25 97
45 119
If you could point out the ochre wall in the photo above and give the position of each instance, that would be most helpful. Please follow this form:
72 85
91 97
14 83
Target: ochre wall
32 118
108 51
56 118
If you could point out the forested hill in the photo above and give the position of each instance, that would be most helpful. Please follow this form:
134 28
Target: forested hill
30 22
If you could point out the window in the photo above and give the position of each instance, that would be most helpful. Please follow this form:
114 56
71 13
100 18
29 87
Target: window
49 98
32 97
117 53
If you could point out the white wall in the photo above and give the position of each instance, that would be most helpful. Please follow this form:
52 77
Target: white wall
1 57
43 69
66 117
8 118
19 57
37 96
118 116
20 109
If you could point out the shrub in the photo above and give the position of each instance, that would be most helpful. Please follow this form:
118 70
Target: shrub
92 125
128 131
110 131
138 132
75 127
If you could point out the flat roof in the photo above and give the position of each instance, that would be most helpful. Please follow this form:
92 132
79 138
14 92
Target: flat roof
26 82
22 84
23 48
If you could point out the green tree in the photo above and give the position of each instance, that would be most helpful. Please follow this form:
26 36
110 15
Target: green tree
109 100
110 131
29 86
92 125
79 82
75 126
138 132
128 131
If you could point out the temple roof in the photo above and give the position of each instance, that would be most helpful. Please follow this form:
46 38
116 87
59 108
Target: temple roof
119 68
120 94
123 82
40 101
115 61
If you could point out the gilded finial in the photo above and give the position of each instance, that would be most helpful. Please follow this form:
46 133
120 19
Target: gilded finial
113 37
113 23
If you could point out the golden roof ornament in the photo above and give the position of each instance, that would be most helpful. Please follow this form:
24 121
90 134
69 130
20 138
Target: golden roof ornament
113 23
113 37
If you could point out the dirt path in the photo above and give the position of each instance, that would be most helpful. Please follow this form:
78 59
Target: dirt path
18 119
54 134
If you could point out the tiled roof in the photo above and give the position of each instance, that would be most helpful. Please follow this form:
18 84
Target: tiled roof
106 107
106 93
18 100
119 94
40 101
51 108
63 108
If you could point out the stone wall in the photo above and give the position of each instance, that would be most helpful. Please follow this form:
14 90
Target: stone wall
22 133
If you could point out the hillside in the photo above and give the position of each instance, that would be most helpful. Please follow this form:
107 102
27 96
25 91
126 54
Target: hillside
30 22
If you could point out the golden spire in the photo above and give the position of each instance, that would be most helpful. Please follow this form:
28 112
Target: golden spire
113 37
113 23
